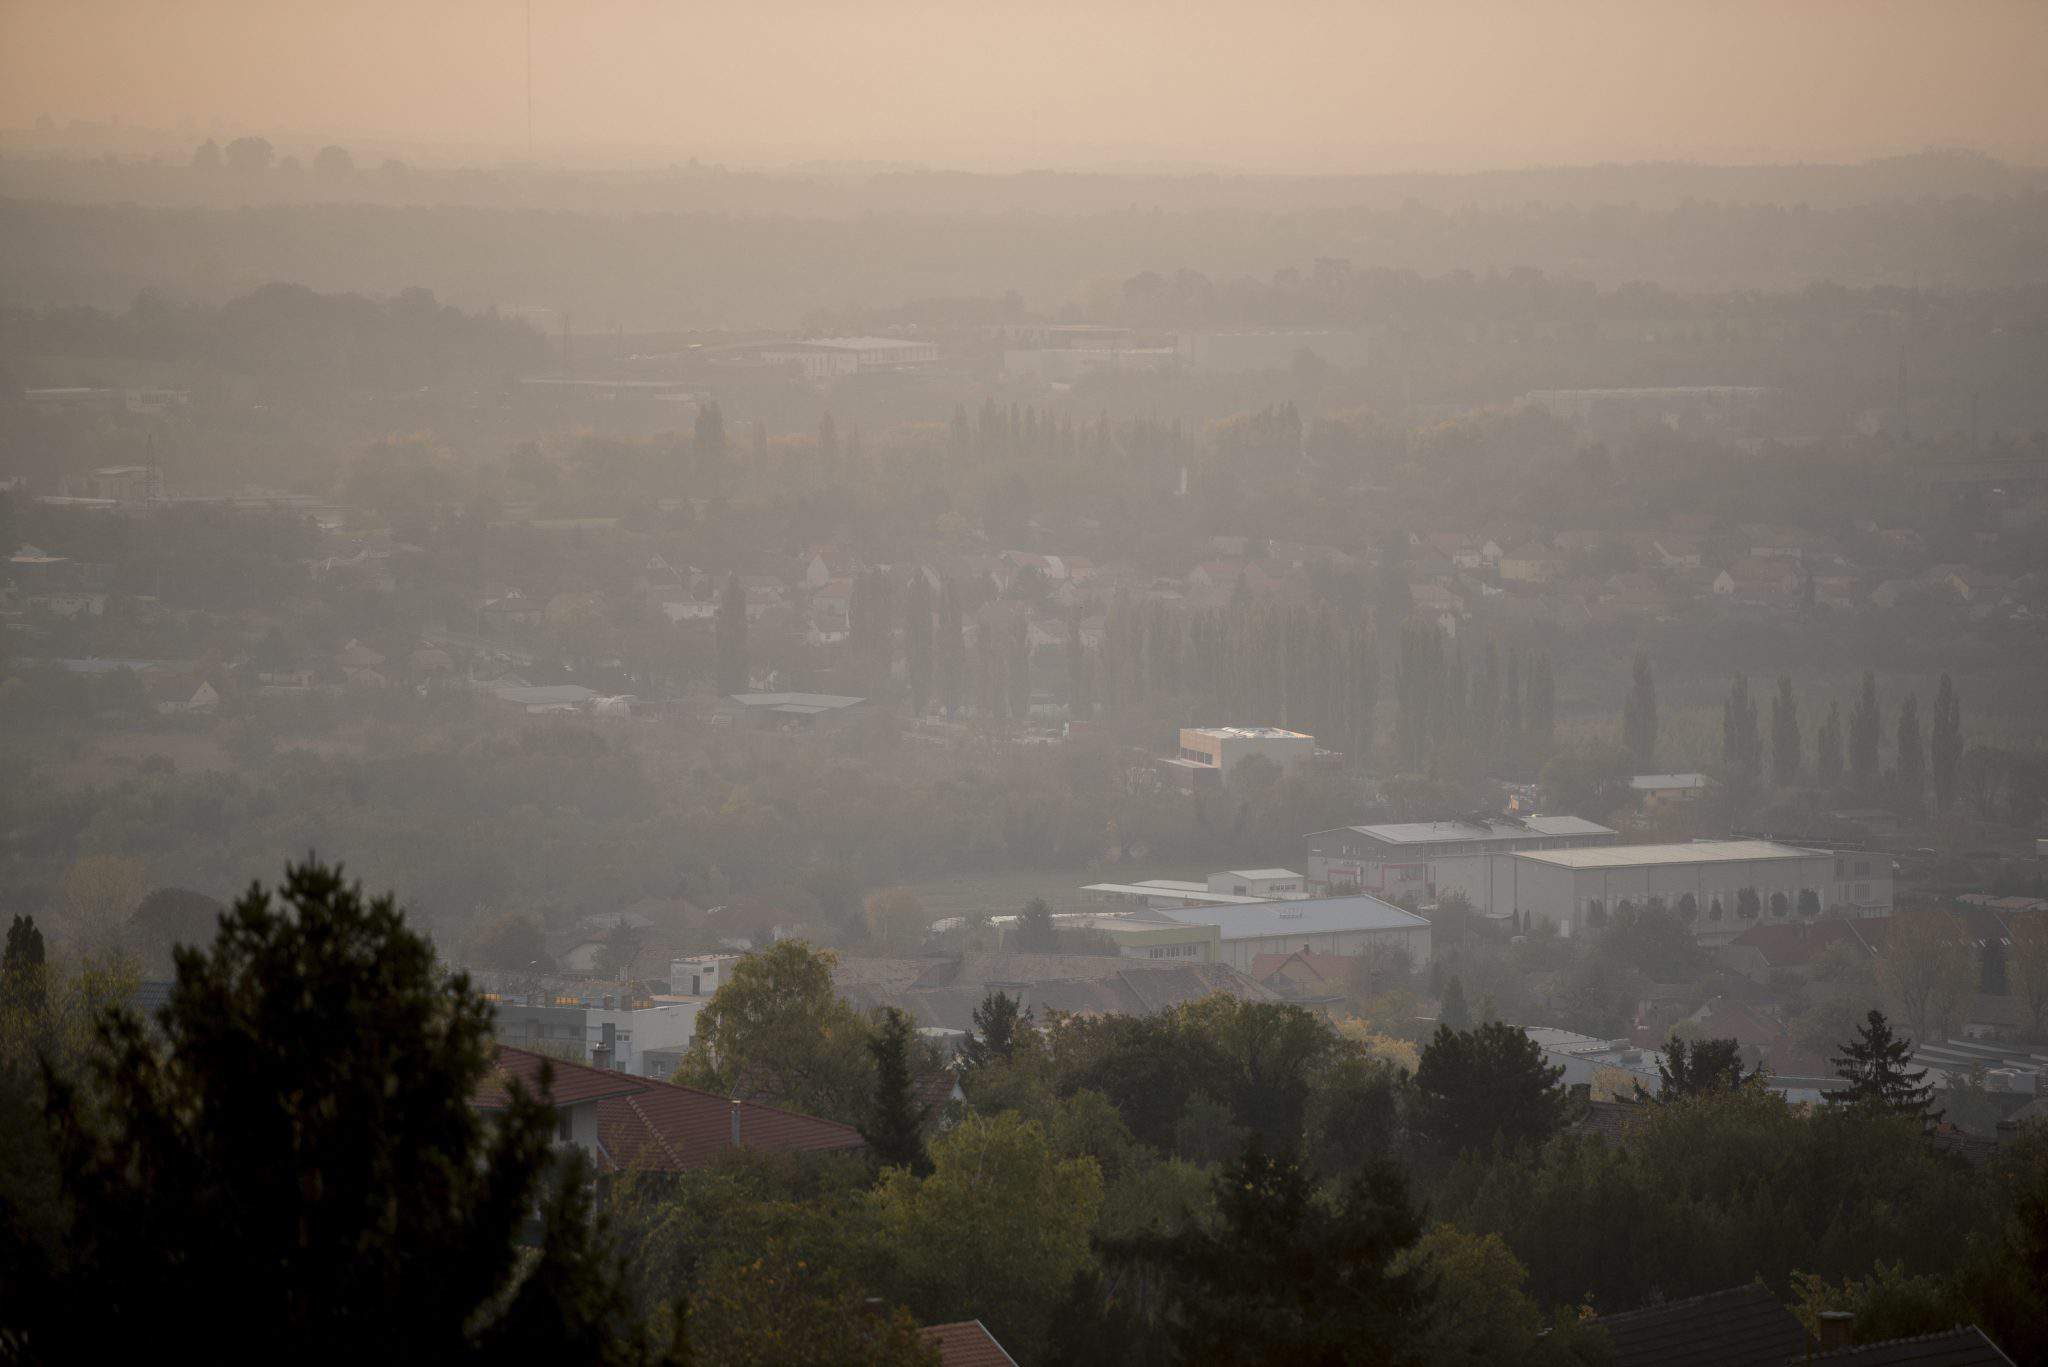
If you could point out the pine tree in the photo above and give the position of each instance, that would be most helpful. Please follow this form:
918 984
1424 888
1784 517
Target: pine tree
998 1023
1785 743
1874 1066
1827 758
917 631
295 1140
730 632
22 984
1865 727
895 1128
1701 1068
1946 745
1639 717
1912 770
1035 931
828 442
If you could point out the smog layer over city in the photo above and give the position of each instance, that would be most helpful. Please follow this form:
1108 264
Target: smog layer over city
1065 683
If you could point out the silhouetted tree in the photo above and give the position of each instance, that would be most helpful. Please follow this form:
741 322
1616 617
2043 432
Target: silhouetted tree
997 1023
1639 717
1874 1066
1035 928
1698 1069
1486 1082
1827 749
895 1128
295 1144
1865 724
1912 771
1945 745
1785 743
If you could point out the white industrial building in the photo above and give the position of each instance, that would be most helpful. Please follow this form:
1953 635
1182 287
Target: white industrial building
1267 883
1222 748
1577 888
827 358
1427 859
1329 925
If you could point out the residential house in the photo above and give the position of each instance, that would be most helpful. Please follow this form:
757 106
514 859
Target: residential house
1531 564
966 1344
629 1124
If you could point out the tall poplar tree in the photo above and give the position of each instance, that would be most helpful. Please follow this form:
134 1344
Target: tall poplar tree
1946 744
1865 727
1785 744
1827 749
1912 770
917 645
1639 717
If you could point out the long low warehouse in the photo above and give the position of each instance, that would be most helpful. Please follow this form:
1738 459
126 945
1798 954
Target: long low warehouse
1328 925
1705 880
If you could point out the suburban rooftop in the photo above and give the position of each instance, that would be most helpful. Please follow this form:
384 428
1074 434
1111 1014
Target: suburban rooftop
1427 832
1316 916
1695 852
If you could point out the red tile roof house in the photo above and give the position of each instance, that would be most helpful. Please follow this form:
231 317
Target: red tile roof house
966 1344
636 1124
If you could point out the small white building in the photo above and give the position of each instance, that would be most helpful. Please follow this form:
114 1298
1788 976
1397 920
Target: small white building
1267 883
1223 748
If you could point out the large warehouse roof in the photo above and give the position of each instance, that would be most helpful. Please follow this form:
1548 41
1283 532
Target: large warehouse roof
1432 832
1320 916
1696 852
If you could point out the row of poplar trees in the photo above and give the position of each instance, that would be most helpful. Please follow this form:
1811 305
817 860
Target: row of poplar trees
1846 752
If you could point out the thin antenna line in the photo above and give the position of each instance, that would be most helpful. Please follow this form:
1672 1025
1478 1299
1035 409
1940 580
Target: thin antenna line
529 80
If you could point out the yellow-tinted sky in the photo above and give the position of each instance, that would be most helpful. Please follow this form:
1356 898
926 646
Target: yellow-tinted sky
1286 84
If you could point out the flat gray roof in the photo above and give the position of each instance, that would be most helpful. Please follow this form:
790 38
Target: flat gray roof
802 704
1320 916
1203 896
1693 852
1433 832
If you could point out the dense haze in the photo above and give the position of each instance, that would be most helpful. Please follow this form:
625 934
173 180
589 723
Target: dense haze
1218 84
1340 683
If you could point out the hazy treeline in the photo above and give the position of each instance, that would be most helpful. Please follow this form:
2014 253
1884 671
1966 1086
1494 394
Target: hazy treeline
714 269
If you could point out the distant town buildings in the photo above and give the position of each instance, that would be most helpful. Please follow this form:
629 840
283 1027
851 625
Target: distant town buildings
1428 858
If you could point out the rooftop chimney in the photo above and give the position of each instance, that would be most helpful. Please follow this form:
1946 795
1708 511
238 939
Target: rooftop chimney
736 1122
1837 1329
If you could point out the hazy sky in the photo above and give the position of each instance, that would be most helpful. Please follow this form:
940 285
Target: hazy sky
1365 85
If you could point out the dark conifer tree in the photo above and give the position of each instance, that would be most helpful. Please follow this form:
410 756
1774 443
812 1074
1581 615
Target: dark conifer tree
1639 716
1912 769
1827 751
1865 726
998 1022
917 630
1874 1067
1946 744
1785 742
895 1128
